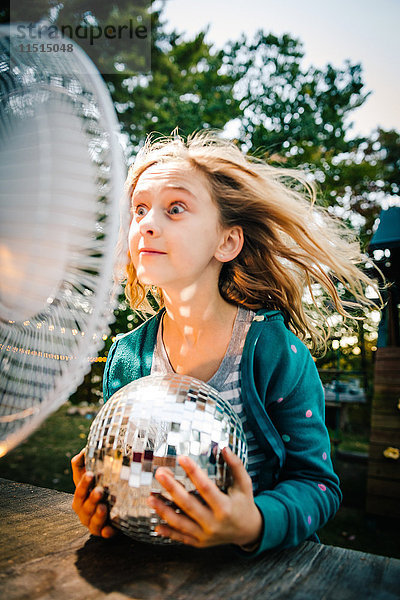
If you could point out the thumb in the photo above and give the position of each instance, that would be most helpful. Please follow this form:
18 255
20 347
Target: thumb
78 466
241 478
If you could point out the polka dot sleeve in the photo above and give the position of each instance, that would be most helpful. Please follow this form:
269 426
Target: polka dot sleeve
307 493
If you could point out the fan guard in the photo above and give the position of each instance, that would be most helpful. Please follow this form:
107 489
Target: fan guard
62 173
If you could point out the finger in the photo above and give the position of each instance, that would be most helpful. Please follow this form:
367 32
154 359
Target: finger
188 503
177 536
98 520
98 525
90 506
177 521
82 491
240 476
206 488
108 531
78 466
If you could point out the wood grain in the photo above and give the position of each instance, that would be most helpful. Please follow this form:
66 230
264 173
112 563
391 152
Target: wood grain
46 554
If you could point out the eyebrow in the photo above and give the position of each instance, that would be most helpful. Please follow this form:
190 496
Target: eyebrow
180 187
169 187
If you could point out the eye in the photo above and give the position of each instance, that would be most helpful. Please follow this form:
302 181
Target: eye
176 209
140 210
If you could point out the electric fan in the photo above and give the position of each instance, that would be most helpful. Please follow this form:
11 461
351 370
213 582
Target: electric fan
62 172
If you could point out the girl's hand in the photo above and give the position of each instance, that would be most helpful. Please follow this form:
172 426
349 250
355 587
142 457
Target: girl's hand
86 502
231 518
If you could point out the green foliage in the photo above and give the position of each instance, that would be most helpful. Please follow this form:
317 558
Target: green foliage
26 12
186 88
388 143
286 108
45 458
355 183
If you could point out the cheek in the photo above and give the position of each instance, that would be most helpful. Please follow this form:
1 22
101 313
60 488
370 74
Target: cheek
133 238
133 230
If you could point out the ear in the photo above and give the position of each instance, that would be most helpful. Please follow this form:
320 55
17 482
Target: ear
231 244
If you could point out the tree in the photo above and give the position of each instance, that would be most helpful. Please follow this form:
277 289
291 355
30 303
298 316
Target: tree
301 117
287 109
358 183
186 88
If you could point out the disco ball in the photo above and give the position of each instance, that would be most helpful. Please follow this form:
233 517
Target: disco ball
147 424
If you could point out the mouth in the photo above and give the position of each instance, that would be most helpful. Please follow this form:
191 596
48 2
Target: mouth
150 251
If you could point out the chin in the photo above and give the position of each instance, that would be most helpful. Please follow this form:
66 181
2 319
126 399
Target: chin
147 279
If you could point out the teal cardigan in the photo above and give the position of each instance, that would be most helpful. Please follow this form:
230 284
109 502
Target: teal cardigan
284 402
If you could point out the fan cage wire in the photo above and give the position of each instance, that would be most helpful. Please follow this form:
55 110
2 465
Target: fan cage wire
102 311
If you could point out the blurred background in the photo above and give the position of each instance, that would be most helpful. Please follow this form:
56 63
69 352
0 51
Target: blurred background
306 85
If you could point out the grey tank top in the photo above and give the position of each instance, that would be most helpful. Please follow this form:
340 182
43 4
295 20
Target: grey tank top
226 381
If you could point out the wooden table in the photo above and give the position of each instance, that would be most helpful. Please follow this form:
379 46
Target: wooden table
45 553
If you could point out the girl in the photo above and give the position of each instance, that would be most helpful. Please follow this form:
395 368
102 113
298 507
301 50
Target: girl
243 267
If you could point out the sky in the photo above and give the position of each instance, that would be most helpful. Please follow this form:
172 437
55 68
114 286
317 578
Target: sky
363 31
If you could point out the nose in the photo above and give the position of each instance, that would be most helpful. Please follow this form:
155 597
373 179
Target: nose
149 225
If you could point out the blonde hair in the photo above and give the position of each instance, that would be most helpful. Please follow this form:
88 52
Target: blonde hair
290 244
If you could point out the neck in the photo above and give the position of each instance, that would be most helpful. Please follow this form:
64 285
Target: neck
195 313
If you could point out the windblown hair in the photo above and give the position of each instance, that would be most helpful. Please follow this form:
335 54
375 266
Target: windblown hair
296 256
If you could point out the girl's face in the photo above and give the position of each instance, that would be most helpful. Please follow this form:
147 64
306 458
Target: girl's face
175 231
